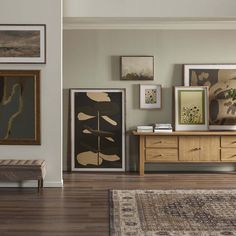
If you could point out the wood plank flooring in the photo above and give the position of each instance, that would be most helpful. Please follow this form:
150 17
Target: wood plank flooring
81 207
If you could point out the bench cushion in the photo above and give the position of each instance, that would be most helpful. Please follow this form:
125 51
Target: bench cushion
17 170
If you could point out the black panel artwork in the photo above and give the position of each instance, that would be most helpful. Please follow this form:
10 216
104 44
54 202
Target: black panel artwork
97 129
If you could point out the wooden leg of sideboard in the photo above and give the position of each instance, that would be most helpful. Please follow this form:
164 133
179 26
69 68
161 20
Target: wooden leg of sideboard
141 154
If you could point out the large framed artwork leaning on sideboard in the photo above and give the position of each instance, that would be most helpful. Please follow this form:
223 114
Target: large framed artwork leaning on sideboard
221 80
191 108
97 129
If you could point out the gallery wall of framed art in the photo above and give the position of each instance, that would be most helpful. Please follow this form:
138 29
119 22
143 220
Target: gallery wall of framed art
97 129
20 89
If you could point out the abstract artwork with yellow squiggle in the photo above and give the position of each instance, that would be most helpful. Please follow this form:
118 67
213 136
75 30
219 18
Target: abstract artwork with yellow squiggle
18 111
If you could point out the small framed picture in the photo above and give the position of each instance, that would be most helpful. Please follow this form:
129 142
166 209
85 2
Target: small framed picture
23 44
150 96
220 79
137 67
191 108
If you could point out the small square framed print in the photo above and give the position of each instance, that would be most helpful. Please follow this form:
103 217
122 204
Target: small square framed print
137 67
150 96
191 108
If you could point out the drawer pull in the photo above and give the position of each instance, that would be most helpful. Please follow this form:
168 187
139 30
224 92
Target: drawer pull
158 142
233 142
160 155
232 156
196 149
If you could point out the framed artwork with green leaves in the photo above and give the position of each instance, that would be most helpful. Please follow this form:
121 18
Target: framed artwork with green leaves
221 81
191 108
97 129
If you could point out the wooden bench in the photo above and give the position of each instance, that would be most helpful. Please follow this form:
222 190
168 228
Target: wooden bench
20 170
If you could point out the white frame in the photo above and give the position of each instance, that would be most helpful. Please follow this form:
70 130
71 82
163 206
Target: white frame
181 127
27 60
144 105
72 93
187 67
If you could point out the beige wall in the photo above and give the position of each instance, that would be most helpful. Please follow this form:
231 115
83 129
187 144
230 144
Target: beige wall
41 12
91 60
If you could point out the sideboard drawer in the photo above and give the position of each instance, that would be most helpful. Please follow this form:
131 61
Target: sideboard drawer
228 141
161 141
228 154
161 155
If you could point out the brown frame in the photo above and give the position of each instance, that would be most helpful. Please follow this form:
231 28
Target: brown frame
20 60
137 57
37 127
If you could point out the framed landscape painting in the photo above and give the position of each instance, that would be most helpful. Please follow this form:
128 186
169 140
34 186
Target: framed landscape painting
137 67
20 107
97 129
191 108
221 80
23 44
150 96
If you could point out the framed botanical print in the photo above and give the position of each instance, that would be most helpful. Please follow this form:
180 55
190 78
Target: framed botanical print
150 96
97 129
23 44
221 80
191 108
137 67
20 107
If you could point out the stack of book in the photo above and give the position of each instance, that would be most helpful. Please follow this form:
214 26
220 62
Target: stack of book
145 128
163 128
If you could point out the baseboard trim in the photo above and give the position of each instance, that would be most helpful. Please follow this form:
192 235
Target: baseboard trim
31 184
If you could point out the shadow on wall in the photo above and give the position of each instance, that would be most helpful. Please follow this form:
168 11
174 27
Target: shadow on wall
115 68
177 75
66 130
132 154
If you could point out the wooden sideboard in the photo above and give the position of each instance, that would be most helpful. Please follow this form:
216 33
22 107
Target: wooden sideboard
185 147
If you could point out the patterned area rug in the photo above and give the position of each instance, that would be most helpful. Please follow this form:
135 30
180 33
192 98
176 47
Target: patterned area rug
173 212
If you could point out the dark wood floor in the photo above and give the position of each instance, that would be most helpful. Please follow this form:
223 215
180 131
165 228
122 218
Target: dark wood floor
81 207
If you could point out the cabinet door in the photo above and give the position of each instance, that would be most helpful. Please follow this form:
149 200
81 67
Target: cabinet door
189 148
209 148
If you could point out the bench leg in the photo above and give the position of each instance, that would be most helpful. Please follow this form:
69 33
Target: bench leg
40 184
